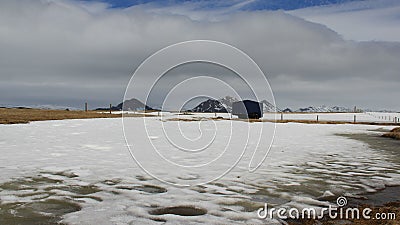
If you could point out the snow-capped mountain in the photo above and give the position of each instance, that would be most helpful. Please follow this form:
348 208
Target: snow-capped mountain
210 105
381 110
225 105
269 107
227 102
313 109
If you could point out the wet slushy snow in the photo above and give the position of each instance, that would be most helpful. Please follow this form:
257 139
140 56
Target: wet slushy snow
86 164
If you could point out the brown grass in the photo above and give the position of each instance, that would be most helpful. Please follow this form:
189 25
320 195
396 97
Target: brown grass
395 133
15 116
396 130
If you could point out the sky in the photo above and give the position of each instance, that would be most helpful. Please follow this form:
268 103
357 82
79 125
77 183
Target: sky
67 52
212 4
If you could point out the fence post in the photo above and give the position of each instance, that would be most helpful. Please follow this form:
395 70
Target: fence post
355 118
86 106
110 108
317 118
281 116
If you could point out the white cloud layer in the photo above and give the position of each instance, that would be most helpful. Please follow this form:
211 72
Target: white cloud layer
63 52
367 20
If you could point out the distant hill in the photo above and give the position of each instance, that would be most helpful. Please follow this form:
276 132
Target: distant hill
210 105
49 107
129 105
227 102
313 109
287 110
269 107
133 105
225 105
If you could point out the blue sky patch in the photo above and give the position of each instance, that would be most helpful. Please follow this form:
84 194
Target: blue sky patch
214 4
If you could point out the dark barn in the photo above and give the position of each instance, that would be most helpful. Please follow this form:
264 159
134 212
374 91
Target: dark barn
247 109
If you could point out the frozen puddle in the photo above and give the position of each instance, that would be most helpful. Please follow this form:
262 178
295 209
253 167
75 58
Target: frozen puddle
151 189
50 174
179 210
40 200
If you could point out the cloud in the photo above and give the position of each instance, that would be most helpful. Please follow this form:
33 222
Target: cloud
65 53
361 20
196 10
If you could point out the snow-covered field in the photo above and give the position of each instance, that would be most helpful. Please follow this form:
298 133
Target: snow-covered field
305 162
347 117
377 117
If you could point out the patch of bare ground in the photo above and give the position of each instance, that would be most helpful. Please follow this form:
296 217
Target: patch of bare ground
17 116
183 119
395 133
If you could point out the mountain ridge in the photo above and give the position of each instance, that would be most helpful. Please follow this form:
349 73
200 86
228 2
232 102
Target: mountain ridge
213 105
132 104
224 105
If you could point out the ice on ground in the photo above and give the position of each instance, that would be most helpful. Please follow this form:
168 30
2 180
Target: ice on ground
87 161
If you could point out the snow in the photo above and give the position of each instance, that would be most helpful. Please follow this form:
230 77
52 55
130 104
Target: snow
306 161
346 117
376 117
